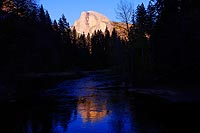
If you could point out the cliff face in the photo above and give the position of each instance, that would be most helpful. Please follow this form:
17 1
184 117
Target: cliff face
90 21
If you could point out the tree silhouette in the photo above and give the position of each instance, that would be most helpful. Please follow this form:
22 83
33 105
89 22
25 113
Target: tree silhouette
74 37
82 41
34 15
64 30
42 16
55 25
107 45
175 38
141 18
132 31
47 19
88 43
19 7
124 13
114 48
23 7
150 17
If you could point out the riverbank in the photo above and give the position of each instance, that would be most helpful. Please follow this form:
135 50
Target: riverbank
169 117
29 85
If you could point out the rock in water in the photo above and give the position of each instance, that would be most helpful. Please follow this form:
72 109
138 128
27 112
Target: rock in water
90 21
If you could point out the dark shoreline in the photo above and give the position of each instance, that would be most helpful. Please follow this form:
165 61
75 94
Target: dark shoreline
174 117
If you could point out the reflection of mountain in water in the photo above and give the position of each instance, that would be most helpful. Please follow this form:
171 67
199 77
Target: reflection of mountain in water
90 110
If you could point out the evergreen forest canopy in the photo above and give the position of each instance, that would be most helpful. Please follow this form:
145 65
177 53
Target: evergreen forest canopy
162 44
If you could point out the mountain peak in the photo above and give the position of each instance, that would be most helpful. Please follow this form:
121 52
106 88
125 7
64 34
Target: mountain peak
90 21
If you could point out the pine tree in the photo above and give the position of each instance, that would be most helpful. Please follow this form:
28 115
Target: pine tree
107 46
82 41
64 30
150 18
114 34
132 35
61 26
23 7
141 18
107 39
67 30
34 15
88 43
42 17
47 19
114 48
55 25
98 47
176 18
65 23
74 37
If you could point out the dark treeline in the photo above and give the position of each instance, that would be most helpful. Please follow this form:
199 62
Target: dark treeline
175 41
162 42
28 43
32 42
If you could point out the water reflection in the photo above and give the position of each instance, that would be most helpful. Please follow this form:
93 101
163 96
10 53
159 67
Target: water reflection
99 108
86 105
90 110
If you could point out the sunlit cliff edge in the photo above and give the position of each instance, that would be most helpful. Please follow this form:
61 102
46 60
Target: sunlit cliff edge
91 21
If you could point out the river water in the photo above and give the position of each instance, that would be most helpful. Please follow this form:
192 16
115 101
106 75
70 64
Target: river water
95 103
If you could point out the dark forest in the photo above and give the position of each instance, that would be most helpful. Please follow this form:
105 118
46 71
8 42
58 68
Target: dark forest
162 42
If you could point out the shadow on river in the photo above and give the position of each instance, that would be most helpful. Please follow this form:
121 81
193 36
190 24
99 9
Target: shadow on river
95 103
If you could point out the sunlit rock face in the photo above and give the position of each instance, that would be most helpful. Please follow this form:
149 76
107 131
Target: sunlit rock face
90 21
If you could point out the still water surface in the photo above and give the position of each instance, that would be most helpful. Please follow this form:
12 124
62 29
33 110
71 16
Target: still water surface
95 103
99 106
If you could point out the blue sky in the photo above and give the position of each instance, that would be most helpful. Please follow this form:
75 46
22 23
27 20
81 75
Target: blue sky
73 8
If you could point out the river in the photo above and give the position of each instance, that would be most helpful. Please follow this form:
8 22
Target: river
95 103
